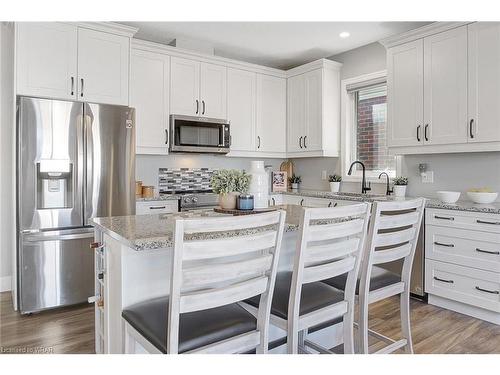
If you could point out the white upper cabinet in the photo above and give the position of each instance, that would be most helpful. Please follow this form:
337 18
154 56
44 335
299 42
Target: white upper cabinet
47 60
185 87
445 87
149 95
213 90
103 67
271 114
484 82
197 88
405 83
241 109
296 113
313 124
65 61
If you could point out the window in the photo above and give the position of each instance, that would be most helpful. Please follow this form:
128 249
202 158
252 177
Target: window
365 125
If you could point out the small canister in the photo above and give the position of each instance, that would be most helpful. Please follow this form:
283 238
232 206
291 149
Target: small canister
138 189
148 191
245 202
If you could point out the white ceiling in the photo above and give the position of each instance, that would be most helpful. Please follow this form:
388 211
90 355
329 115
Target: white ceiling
276 44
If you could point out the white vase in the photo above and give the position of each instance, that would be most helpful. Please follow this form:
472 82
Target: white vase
228 201
295 186
399 190
335 186
259 185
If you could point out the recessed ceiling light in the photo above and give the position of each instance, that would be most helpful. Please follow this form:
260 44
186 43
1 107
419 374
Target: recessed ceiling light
345 34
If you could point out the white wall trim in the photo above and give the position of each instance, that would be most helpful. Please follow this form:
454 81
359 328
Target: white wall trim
346 116
5 283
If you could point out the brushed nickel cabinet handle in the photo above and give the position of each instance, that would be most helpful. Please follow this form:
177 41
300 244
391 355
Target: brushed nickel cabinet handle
471 123
157 207
302 201
443 280
487 290
488 222
72 86
487 251
425 132
197 106
305 146
300 142
81 87
258 139
166 136
444 244
444 218
203 104
418 132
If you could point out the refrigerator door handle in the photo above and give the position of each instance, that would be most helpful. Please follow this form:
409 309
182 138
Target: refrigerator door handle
89 165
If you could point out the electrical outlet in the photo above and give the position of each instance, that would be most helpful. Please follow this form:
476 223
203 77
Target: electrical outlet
427 177
323 175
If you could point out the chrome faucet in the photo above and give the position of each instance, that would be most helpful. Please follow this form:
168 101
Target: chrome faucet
364 186
388 190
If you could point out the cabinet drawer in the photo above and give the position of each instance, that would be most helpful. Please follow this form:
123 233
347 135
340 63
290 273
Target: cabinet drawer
463 247
156 207
463 219
325 202
463 284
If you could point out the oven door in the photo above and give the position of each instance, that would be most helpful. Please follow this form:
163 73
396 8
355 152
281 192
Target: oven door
197 134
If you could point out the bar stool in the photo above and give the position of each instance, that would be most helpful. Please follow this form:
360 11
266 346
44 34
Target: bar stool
330 243
392 236
210 273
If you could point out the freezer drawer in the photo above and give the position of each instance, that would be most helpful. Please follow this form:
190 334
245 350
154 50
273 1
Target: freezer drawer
56 269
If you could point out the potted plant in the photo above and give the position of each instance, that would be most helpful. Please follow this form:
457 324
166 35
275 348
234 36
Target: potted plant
295 181
400 184
229 183
334 182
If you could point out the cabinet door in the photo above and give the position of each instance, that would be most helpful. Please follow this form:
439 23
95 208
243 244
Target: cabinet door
484 82
296 113
312 140
271 113
405 94
47 60
241 110
149 89
213 91
184 87
445 87
103 67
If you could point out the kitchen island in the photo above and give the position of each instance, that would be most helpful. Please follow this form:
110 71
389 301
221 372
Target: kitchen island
132 263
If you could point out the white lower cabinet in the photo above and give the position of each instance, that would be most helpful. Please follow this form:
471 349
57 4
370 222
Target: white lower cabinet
157 207
303 200
462 262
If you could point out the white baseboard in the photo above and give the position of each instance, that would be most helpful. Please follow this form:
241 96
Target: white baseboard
5 283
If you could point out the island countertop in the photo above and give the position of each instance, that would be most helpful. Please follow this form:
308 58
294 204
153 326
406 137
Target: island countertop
147 232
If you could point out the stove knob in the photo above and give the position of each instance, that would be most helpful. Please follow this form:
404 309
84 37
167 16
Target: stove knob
194 199
186 199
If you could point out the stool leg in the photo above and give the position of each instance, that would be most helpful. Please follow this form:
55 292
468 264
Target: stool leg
404 299
292 341
363 325
348 332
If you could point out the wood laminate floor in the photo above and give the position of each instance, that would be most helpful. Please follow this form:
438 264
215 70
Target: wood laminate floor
71 330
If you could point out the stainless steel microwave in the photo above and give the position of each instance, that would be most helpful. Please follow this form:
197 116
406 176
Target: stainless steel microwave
199 134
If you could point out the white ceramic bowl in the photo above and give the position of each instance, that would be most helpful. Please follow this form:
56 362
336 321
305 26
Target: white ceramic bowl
448 196
482 198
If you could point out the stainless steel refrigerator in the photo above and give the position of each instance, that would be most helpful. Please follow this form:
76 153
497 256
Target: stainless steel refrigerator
75 161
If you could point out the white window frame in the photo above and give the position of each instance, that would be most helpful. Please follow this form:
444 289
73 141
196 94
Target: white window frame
347 120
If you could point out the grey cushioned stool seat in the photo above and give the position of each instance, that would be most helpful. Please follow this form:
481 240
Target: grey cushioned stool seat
314 296
196 329
380 278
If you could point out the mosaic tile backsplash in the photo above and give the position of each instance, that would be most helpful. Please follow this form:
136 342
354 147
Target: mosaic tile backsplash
182 179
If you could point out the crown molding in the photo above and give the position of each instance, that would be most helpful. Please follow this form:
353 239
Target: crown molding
109 27
313 65
421 32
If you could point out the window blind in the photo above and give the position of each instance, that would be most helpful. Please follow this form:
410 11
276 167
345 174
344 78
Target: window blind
372 83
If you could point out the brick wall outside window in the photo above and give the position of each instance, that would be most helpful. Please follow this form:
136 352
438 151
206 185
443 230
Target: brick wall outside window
371 133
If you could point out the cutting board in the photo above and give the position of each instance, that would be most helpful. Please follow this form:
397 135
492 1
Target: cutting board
287 166
237 212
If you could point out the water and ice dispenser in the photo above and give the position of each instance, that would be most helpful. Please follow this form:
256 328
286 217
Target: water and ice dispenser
54 179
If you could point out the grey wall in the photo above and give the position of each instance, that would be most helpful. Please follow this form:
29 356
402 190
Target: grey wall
367 59
147 165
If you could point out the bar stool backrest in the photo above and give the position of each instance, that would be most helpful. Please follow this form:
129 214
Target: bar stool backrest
210 270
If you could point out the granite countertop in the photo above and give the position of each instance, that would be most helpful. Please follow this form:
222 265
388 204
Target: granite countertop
148 232
493 208
163 197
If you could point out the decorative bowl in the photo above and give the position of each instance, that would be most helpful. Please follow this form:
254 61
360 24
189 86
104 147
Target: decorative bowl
482 198
448 196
